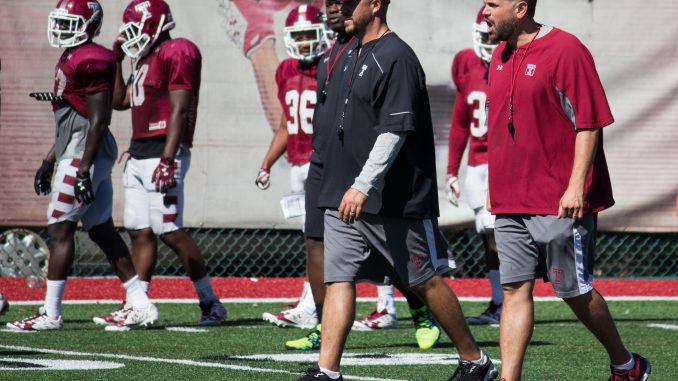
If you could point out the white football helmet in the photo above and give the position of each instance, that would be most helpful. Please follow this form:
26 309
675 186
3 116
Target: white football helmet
306 19
481 42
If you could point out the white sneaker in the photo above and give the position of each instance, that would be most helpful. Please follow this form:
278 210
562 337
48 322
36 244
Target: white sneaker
213 313
135 318
118 315
294 317
38 322
4 306
376 320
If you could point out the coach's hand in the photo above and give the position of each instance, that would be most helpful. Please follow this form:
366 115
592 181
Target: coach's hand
43 178
83 188
263 180
572 203
452 189
163 175
351 205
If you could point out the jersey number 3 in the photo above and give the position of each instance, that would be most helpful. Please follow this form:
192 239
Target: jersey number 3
477 99
301 108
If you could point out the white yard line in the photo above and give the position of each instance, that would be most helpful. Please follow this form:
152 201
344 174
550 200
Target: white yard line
672 327
367 299
173 361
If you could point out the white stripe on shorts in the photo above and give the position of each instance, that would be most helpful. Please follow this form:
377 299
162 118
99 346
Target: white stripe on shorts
582 281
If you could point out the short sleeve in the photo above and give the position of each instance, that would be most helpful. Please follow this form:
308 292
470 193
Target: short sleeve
582 92
96 74
182 65
398 96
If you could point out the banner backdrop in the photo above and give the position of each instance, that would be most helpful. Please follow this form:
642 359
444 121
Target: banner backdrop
632 42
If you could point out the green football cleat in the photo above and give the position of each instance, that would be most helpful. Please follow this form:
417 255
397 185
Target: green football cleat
309 342
427 331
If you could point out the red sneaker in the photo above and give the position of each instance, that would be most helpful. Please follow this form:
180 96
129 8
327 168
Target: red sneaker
640 372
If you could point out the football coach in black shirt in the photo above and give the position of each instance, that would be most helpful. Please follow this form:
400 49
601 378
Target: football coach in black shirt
379 190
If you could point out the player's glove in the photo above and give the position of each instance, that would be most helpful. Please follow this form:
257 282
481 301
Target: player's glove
163 175
263 179
83 188
452 189
248 23
43 178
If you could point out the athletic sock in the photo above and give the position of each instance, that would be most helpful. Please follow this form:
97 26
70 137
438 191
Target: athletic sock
53 297
497 291
136 297
386 299
482 360
627 366
331 374
203 287
306 302
145 286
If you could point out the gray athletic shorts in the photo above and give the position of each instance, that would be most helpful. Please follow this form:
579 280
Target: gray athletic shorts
375 247
561 251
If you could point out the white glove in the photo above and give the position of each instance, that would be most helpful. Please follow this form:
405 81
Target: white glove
263 179
452 189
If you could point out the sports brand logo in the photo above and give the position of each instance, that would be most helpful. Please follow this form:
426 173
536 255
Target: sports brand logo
500 67
362 70
556 275
531 68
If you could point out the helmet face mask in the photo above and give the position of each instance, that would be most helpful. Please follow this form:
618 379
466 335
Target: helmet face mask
306 34
73 23
143 22
481 38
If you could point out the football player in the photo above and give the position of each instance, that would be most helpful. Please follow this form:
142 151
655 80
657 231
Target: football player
84 154
469 73
163 96
306 38
249 25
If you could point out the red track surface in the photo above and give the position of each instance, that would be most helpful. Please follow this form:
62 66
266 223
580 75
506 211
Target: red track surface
181 288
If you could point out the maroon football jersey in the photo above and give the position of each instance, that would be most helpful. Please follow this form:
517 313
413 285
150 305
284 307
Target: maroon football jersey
173 65
82 70
557 91
469 116
297 95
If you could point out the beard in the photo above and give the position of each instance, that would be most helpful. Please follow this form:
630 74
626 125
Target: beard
504 30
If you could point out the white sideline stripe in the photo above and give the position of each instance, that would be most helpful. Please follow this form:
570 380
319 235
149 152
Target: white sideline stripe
366 299
173 361
672 327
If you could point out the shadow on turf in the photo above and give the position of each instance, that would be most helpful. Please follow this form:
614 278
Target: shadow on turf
20 353
445 345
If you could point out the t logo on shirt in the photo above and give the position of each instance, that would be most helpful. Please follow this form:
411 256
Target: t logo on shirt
531 68
362 70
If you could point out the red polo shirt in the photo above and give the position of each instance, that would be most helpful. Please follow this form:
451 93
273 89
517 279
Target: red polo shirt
556 91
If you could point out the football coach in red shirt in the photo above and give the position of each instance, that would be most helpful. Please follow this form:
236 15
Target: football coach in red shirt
548 178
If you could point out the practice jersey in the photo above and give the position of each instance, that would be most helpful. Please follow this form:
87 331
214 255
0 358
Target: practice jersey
469 117
82 70
557 92
173 65
297 93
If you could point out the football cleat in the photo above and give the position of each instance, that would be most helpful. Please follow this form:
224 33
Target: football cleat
492 315
640 372
38 322
4 305
134 319
318 376
427 331
307 343
376 320
470 371
293 317
116 316
213 313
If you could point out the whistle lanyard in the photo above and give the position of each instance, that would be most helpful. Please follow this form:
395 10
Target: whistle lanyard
329 69
514 78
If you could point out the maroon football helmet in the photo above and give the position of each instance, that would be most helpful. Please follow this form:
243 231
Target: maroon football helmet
143 21
305 26
74 22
